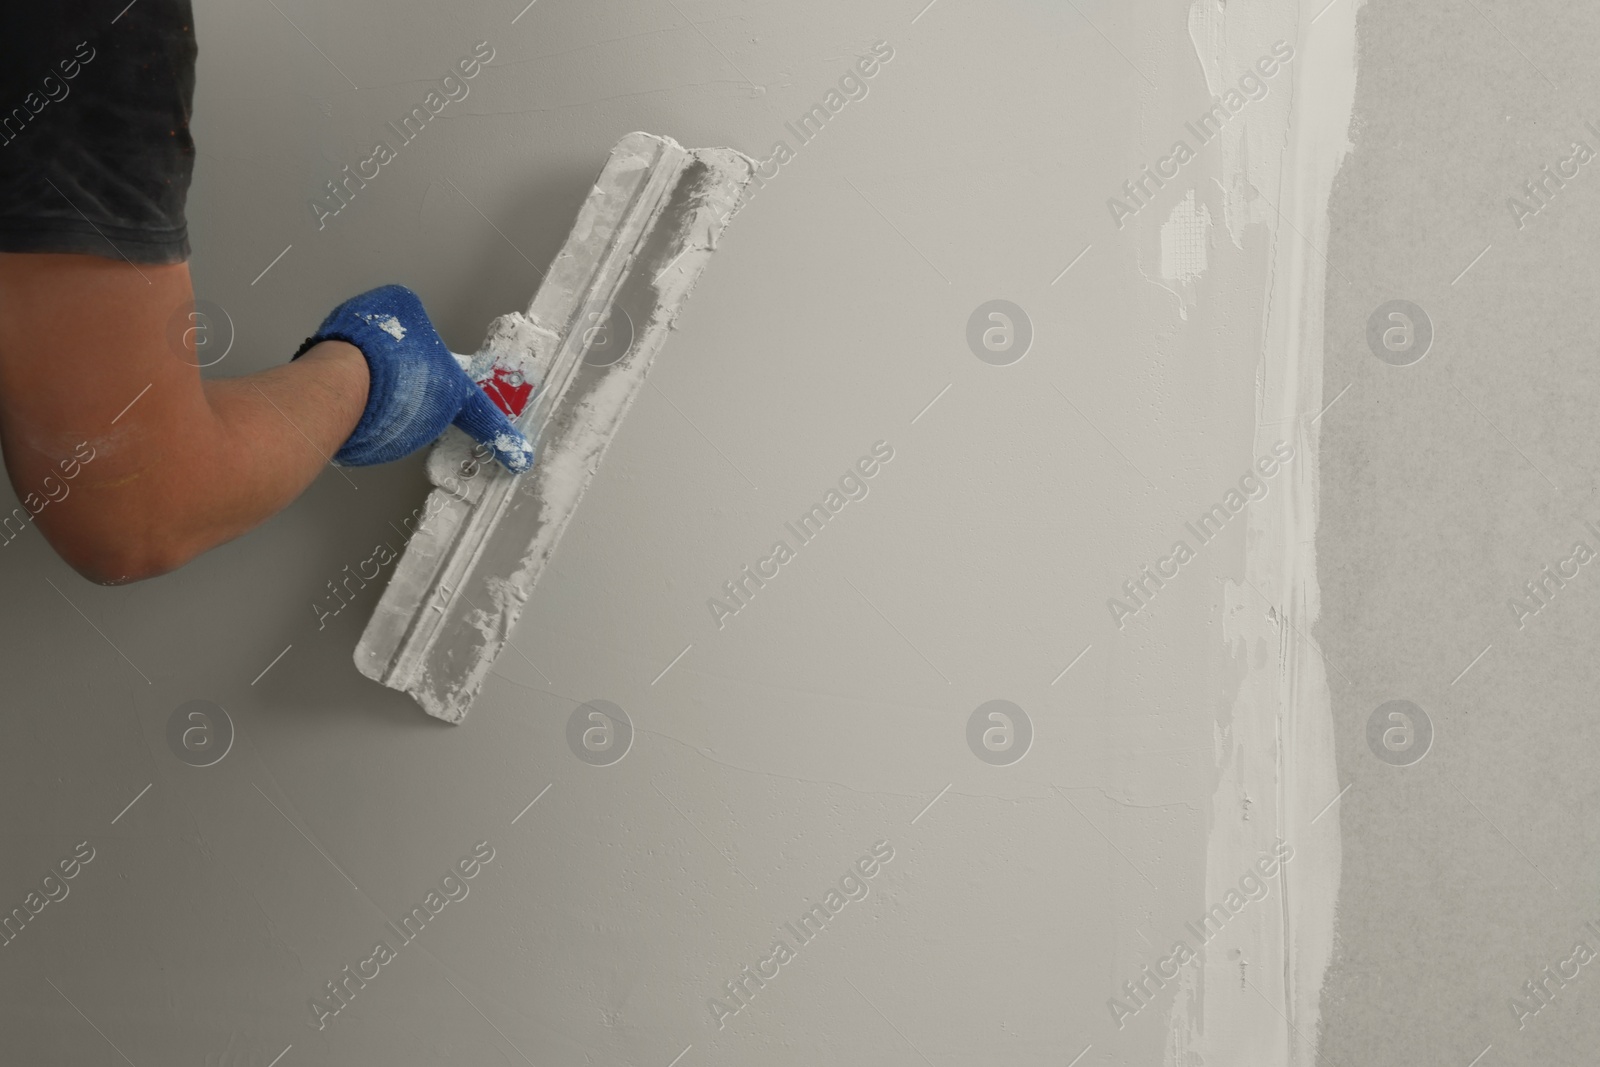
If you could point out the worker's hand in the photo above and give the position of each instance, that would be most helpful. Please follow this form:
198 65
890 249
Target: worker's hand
417 388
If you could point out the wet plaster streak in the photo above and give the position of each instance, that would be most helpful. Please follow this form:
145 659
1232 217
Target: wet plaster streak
1255 998
642 237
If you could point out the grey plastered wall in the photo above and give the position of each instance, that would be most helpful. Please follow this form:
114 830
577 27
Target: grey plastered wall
1447 485
829 714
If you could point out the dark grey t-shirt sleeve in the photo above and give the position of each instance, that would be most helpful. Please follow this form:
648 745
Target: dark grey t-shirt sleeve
95 152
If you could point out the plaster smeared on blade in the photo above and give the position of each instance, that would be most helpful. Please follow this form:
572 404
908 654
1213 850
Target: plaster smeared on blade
455 596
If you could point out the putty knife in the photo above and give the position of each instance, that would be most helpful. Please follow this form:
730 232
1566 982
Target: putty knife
580 353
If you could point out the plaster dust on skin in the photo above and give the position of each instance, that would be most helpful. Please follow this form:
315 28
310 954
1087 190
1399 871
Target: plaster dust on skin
1255 995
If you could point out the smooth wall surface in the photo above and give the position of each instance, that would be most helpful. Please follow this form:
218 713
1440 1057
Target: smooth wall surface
1458 518
1011 905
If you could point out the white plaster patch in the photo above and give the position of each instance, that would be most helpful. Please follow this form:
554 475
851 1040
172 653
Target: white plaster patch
389 325
1227 44
518 452
1184 239
1274 759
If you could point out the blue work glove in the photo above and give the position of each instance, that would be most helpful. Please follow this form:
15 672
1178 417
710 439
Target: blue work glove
417 388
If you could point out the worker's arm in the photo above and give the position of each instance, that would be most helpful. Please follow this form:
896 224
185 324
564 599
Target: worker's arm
182 468
125 460
95 381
